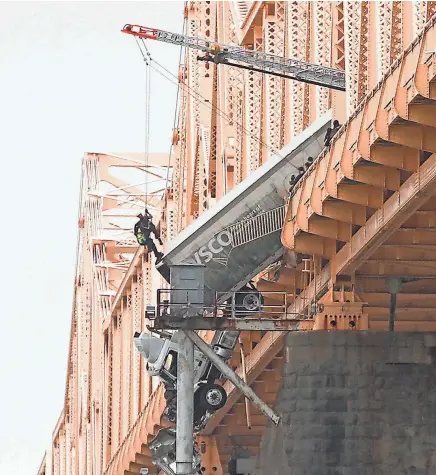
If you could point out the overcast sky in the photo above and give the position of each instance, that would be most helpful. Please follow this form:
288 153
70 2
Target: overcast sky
70 82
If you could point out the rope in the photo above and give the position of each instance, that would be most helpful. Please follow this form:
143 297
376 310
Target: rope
206 103
149 62
220 112
147 59
147 131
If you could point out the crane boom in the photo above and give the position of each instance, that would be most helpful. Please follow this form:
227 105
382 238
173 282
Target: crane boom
248 59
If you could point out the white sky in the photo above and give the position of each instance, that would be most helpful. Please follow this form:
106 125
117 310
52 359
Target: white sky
70 82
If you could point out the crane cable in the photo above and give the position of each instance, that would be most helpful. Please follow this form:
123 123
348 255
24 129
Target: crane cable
147 60
200 98
147 132
219 111
205 102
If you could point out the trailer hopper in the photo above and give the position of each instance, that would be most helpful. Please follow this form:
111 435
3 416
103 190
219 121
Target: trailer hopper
240 235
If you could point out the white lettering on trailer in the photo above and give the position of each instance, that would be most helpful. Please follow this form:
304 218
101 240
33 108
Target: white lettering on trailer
253 213
215 245
224 239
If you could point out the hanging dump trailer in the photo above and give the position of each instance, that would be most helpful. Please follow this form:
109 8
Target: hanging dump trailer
211 262
240 235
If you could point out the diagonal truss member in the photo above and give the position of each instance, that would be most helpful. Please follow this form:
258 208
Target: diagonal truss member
232 376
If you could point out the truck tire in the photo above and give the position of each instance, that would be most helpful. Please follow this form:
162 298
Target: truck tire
212 397
249 302
171 416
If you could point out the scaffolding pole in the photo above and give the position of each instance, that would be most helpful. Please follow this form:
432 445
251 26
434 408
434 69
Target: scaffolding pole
232 376
185 406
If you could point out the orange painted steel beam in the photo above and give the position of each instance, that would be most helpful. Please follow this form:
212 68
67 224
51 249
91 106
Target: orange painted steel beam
395 267
136 261
404 299
400 326
420 237
249 20
378 284
43 466
383 224
406 314
394 212
409 252
339 146
210 459
227 323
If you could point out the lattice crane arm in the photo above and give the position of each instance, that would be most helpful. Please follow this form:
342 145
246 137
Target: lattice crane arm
248 59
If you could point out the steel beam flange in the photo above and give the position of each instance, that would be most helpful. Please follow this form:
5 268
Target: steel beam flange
225 323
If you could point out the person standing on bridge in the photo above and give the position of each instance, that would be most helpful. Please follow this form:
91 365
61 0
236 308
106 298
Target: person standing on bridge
331 132
143 228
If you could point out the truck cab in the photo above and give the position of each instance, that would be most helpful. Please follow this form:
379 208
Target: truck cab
160 353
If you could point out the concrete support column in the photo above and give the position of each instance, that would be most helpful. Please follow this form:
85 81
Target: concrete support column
185 406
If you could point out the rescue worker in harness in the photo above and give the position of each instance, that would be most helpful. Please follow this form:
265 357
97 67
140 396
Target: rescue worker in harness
143 228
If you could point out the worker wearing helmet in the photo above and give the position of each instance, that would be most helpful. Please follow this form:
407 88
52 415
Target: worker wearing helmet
331 132
143 228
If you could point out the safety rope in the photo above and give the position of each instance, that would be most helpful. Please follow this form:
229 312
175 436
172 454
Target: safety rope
147 132
150 64
147 59
200 98
205 102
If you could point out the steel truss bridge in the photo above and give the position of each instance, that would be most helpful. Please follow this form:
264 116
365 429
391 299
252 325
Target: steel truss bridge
363 214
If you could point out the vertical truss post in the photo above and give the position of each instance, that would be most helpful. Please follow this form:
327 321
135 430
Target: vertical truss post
231 376
185 406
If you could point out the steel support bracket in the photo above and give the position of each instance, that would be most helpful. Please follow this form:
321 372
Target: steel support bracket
225 323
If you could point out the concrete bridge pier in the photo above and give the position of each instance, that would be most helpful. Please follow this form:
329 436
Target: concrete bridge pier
354 403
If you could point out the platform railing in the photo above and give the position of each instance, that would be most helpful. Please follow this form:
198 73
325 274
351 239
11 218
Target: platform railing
246 303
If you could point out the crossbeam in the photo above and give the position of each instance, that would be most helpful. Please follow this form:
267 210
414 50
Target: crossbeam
225 323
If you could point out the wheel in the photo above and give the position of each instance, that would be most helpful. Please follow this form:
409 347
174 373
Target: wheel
171 416
248 301
212 397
